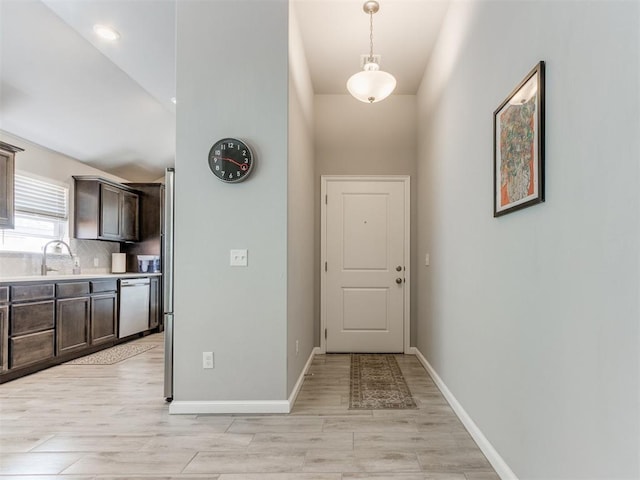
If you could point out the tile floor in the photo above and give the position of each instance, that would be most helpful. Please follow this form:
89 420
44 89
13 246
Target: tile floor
110 422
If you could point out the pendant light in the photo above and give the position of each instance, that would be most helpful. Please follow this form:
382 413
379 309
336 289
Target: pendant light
371 84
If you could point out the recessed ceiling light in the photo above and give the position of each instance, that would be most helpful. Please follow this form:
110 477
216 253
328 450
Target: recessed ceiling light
106 32
173 99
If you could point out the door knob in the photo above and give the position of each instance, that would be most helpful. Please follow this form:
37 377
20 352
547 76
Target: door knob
398 268
398 280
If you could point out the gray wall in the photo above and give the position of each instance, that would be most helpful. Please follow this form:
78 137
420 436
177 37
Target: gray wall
231 84
356 138
532 319
300 238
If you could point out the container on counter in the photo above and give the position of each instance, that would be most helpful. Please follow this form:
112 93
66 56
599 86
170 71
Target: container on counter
148 263
118 262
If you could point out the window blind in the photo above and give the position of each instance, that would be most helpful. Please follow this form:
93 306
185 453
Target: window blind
35 197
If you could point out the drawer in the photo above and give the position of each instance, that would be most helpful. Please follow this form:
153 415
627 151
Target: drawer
31 317
104 286
72 289
4 294
20 293
29 349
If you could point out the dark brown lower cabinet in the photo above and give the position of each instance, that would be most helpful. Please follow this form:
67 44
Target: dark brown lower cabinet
4 338
31 333
43 324
72 326
32 317
29 349
104 317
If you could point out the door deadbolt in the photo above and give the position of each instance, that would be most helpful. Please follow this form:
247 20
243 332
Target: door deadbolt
398 280
398 268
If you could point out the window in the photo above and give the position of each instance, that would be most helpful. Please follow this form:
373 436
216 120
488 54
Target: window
42 214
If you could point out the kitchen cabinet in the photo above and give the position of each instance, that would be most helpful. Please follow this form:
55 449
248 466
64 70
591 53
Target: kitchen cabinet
32 317
22 293
72 317
129 220
104 311
72 324
7 182
31 349
31 324
109 211
47 322
105 210
151 213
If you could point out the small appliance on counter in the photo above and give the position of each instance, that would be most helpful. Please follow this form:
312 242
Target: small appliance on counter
148 263
118 262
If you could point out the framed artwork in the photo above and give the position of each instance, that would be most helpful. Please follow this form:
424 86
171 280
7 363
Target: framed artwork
518 146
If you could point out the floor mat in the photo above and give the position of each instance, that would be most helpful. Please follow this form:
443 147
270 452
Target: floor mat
113 355
377 383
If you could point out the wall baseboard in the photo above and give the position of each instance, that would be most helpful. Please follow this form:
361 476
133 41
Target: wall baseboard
296 388
497 462
230 407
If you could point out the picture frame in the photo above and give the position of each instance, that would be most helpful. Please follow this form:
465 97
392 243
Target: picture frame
518 145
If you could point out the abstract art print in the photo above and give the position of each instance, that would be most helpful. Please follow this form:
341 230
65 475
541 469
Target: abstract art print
518 146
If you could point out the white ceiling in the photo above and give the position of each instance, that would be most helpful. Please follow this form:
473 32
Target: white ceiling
109 104
336 33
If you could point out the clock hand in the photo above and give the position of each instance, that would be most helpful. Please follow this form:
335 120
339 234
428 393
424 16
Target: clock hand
232 161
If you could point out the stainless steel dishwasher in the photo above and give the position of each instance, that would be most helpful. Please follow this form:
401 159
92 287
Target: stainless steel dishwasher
134 306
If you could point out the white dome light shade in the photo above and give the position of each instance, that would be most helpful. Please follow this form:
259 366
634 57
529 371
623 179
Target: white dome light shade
372 84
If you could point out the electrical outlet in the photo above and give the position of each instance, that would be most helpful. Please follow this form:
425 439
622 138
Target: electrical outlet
427 260
207 359
96 262
296 347
238 258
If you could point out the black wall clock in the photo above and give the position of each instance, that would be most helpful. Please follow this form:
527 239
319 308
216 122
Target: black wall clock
231 160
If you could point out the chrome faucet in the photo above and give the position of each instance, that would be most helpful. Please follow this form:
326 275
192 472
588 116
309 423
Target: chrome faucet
43 268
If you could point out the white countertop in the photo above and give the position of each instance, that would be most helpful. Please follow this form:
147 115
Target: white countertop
81 276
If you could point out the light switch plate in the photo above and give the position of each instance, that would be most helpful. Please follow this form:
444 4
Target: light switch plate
238 258
207 359
427 260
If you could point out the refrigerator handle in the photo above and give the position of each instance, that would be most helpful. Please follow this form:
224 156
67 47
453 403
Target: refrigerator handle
168 357
168 282
168 239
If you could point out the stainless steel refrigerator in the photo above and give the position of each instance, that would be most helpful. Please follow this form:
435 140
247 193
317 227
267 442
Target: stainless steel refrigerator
167 275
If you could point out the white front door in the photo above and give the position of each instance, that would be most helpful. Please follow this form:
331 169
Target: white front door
365 250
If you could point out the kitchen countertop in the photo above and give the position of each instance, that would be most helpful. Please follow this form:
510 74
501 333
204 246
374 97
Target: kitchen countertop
81 276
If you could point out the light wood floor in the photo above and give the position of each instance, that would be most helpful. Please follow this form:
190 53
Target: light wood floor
108 422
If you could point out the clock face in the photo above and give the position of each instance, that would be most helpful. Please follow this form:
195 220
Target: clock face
231 160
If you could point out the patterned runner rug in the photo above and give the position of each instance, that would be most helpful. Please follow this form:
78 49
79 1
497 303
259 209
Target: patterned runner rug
377 383
113 355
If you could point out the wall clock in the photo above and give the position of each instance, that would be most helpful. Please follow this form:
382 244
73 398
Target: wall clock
231 160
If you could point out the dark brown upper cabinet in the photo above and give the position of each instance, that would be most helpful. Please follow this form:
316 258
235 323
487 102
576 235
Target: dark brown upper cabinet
7 179
105 210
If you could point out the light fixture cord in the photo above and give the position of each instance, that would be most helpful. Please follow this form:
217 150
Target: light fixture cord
371 36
